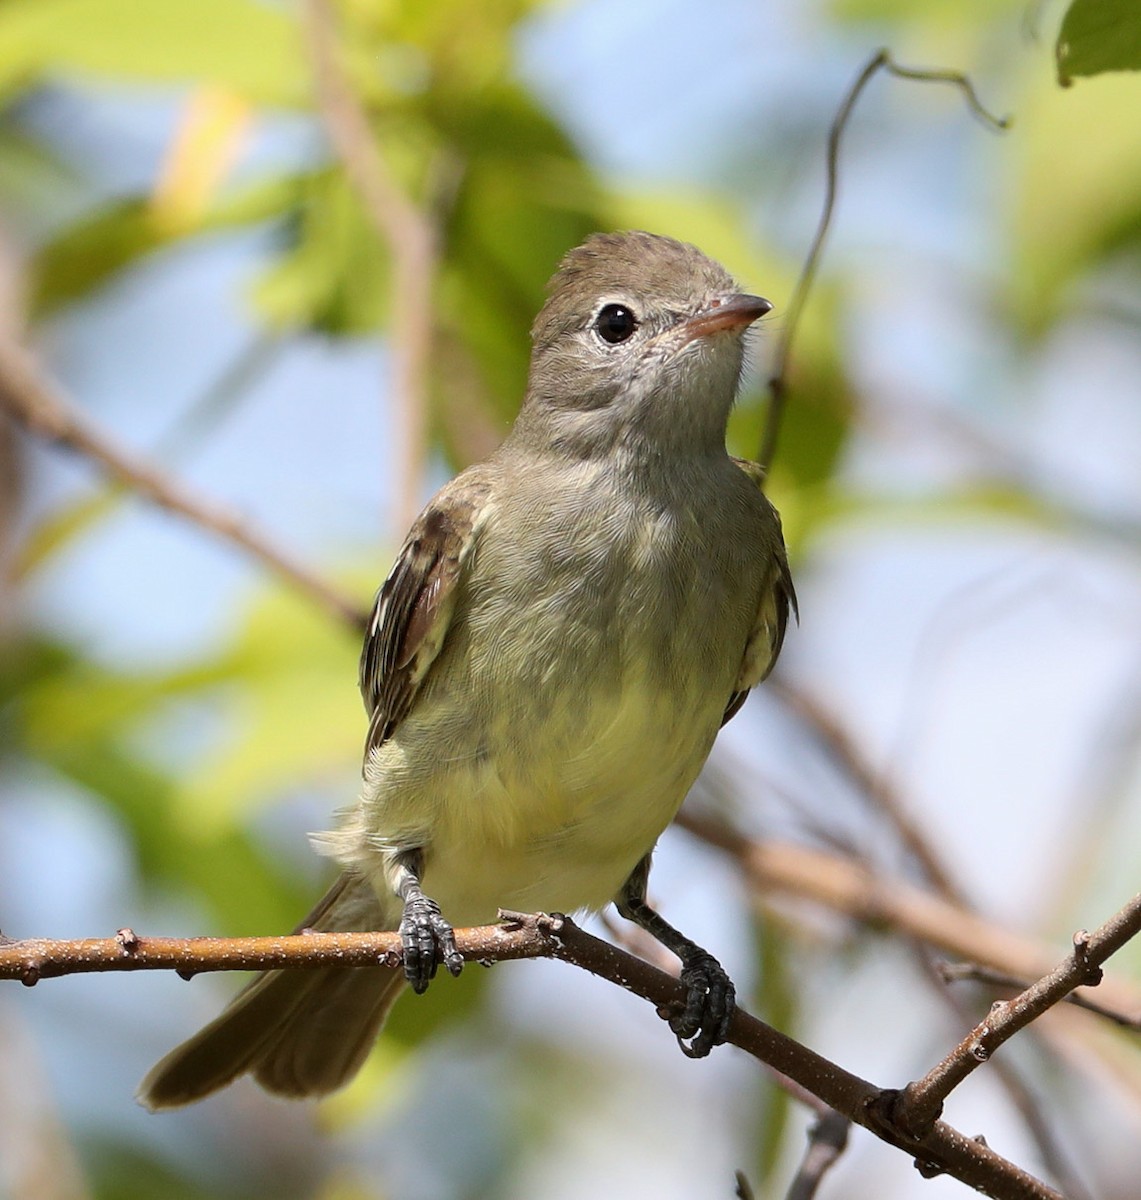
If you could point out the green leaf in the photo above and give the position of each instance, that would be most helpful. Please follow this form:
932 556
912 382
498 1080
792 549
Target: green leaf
947 14
1098 36
87 253
249 46
95 248
333 275
32 178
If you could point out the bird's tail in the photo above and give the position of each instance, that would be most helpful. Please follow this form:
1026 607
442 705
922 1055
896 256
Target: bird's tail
297 1032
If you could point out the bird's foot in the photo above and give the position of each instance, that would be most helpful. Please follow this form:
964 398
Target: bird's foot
428 940
708 1007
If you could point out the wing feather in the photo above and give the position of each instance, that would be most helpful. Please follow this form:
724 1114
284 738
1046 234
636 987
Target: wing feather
413 608
778 599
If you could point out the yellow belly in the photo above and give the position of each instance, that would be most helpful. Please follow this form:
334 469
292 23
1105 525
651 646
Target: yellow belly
547 816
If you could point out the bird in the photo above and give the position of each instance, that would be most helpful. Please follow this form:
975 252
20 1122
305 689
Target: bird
566 627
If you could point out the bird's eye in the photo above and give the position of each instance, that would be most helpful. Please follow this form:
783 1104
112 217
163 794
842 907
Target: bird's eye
615 323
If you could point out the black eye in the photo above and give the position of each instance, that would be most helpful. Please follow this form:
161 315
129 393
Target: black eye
615 323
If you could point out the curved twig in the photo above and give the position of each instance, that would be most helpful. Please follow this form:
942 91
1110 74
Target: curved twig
881 60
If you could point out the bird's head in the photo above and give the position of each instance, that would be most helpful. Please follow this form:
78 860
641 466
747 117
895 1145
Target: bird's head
641 339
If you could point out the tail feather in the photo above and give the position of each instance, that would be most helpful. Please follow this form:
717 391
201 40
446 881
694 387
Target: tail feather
298 1032
329 1034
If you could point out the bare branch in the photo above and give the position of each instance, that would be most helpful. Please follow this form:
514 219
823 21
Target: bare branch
778 383
41 408
976 973
940 1150
835 741
827 1140
922 1101
1025 1102
845 886
412 241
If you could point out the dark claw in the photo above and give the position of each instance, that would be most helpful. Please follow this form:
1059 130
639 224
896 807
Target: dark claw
428 939
708 1007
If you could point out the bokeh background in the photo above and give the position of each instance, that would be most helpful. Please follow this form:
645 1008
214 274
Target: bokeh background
959 473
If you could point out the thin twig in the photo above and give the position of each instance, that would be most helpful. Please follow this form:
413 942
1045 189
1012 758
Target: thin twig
837 743
412 241
973 972
922 1100
851 887
940 1150
41 408
842 748
827 1140
778 383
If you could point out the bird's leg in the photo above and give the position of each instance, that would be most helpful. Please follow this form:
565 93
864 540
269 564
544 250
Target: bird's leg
712 997
426 936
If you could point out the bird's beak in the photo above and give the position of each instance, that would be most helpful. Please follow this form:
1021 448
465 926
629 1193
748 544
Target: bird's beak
731 313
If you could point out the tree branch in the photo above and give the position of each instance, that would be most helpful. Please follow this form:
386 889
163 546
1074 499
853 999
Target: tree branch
939 1150
412 241
1026 1103
845 886
42 409
922 1101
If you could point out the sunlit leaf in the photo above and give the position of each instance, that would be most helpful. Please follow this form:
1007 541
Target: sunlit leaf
213 128
956 14
251 47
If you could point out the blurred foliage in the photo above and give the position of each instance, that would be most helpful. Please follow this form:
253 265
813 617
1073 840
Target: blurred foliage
509 188
1092 217
251 47
511 191
79 720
